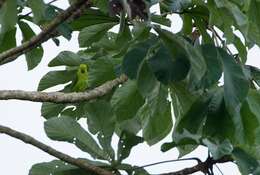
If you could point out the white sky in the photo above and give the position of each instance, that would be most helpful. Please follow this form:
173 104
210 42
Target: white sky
17 158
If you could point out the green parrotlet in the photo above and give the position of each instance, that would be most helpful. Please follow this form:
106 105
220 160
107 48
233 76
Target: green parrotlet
82 79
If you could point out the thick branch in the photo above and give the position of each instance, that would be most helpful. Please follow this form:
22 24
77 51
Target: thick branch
30 140
1 3
59 97
202 166
73 10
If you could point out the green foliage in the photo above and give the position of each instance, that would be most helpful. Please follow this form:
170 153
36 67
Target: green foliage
174 79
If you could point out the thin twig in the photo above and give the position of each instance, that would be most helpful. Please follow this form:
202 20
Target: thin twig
73 10
59 97
169 161
64 157
219 170
215 33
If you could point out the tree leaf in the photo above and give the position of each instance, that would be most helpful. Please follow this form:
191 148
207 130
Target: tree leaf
218 150
126 101
156 116
134 57
193 119
126 142
56 167
102 123
8 16
161 20
54 78
91 17
92 34
236 84
33 57
8 40
242 50
102 5
66 58
182 99
214 66
167 69
187 24
253 30
250 116
219 124
38 8
146 80
50 110
181 140
67 129
101 70
246 163
181 49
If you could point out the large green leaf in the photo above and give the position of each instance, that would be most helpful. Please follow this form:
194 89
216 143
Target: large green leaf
146 80
182 99
67 129
182 141
156 116
102 5
66 58
194 118
218 150
38 9
238 16
101 121
101 70
34 56
219 124
167 69
126 142
214 66
247 164
50 110
8 15
56 167
254 24
134 57
94 33
91 17
8 40
126 101
236 84
54 78
182 49
250 116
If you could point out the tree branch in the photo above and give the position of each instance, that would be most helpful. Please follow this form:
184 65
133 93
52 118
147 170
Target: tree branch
1 3
202 166
14 53
30 140
59 97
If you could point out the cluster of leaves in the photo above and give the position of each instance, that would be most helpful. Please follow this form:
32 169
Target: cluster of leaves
181 70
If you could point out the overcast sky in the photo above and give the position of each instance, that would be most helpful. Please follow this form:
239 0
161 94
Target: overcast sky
16 158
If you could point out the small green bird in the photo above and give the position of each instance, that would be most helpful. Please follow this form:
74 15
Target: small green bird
82 79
